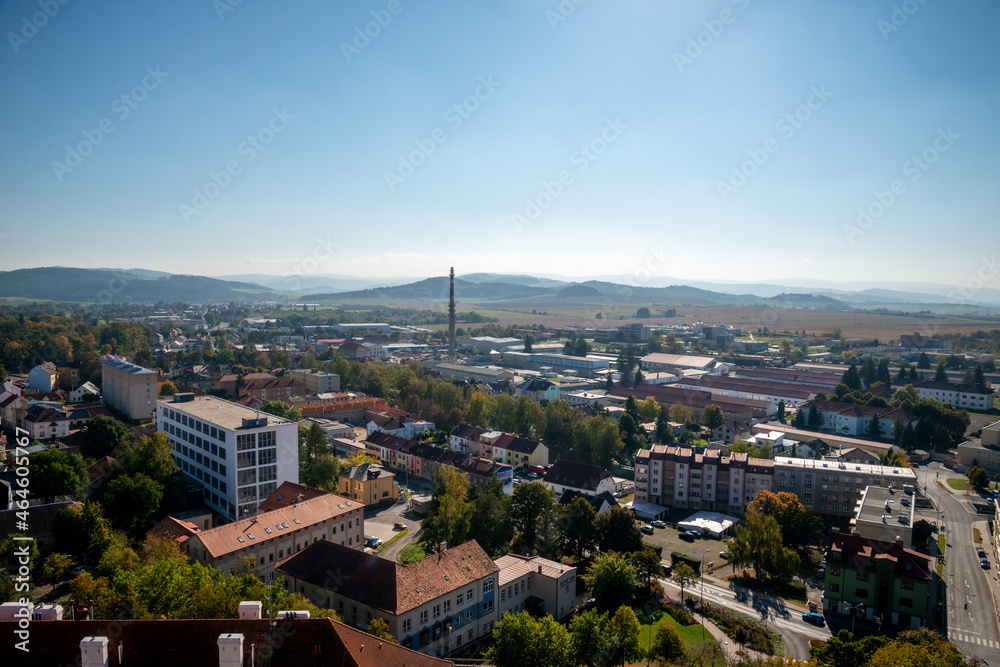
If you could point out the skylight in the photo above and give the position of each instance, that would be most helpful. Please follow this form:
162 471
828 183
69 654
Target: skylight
240 539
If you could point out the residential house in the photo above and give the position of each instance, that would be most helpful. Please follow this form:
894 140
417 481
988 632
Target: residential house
538 389
43 377
230 383
317 382
537 585
512 450
248 640
966 396
268 537
402 425
602 502
879 579
369 484
587 479
732 430
275 389
355 350
852 419
438 605
465 438
46 423
78 394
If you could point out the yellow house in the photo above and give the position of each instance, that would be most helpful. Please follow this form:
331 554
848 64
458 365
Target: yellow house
368 484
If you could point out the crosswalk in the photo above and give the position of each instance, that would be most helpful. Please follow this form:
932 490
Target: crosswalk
970 639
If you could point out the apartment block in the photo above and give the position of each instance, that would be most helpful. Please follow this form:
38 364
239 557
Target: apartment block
317 382
128 388
239 455
833 488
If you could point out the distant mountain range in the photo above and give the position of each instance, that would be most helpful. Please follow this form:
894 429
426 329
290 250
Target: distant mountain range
146 286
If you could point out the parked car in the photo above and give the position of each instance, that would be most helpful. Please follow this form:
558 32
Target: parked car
667 569
984 563
685 536
724 554
821 573
657 524
372 541
813 617
982 554
399 525
647 529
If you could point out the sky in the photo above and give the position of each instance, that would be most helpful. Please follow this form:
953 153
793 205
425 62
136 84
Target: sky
739 140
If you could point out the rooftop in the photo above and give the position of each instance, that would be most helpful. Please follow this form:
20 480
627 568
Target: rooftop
513 566
884 505
221 412
127 366
905 475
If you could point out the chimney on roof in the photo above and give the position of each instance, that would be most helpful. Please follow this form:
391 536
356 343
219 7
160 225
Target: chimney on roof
94 652
442 547
539 569
90 610
72 611
250 611
835 530
230 650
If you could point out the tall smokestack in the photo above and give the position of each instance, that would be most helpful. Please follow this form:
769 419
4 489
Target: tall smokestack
451 315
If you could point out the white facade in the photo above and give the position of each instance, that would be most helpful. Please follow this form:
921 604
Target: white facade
238 454
317 382
86 388
128 388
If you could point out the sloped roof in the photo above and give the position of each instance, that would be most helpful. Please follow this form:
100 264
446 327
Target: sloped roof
173 529
385 584
194 643
908 563
513 566
575 475
289 493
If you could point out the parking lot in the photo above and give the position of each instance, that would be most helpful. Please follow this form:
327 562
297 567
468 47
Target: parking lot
669 538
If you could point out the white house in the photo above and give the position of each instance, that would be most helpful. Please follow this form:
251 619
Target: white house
77 394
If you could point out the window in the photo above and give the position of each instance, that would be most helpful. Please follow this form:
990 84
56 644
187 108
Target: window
447 606
244 441
862 576
834 588
245 459
488 585
906 584
468 595
437 610
267 456
423 617
459 600
488 606
406 625
244 477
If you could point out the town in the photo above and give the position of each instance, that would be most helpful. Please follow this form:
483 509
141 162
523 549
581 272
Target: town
661 490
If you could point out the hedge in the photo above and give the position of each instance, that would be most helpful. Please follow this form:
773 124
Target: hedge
677 557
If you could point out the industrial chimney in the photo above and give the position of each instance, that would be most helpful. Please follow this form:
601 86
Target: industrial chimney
451 315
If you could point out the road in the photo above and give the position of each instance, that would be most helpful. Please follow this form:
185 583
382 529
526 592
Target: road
783 618
971 614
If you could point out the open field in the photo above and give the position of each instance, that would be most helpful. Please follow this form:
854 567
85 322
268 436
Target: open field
817 322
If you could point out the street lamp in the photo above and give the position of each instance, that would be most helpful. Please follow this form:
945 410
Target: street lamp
854 609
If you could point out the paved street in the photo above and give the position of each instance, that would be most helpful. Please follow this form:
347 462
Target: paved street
782 617
971 612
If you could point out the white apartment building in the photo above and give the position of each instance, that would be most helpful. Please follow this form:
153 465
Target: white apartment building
128 388
317 382
967 396
239 455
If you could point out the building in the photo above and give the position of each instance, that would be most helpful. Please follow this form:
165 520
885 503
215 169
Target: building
369 484
537 585
237 454
920 342
830 440
332 429
129 388
701 480
483 345
68 375
974 453
230 382
538 389
587 479
824 382
355 350
660 361
878 578
77 394
46 423
248 640
852 419
317 382
268 537
832 488
733 407
512 450
43 377
275 389
885 514
791 395
554 360
435 606
465 438
732 430
485 374
967 396
401 425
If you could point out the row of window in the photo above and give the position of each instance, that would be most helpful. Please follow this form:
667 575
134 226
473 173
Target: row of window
198 442
196 424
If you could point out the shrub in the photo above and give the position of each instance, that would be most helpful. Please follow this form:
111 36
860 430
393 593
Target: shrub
657 548
679 613
676 557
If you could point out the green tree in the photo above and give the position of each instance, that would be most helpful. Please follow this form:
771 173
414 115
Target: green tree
874 429
103 437
519 640
616 531
852 378
978 477
130 501
579 519
683 575
908 440
12 549
979 378
647 565
56 473
150 455
664 432
679 413
491 524
379 628
941 374
758 544
528 341
883 374
666 644
712 417
593 638
625 630
55 566
475 414
799 421
83 532
611 580
781 411
800 527
449 521
281 409
168 389
325 472
649 409
815 417
924 362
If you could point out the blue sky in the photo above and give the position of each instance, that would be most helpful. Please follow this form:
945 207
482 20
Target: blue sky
652 134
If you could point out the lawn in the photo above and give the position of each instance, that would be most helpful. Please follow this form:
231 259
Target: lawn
942 543
393 539
977 537
958 484
412 553
691 635
943 486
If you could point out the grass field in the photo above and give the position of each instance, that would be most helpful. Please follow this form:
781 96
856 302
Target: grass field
691 635
814 322
977 537
958 484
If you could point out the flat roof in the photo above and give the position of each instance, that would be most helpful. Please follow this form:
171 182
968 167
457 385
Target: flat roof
221 412
127 366
905 474
873 501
